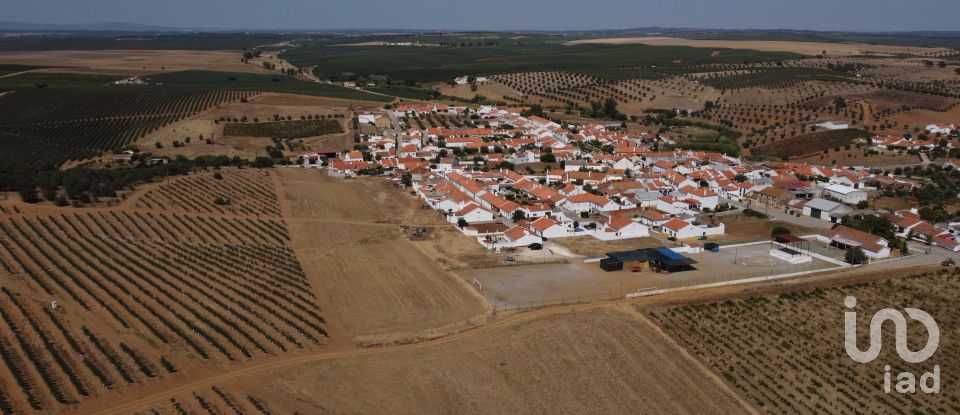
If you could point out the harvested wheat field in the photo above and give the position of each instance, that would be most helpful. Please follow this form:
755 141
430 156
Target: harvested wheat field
804 48
609 360
370 278
132 62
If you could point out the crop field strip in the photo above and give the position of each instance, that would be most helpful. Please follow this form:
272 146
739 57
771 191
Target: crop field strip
773 349
215 401
43 128
176 287
244 192
284 129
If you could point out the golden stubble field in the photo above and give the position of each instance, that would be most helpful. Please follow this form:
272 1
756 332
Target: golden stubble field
373 282
132 62
605 360
804 48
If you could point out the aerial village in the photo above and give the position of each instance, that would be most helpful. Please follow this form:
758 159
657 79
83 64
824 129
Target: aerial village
610 184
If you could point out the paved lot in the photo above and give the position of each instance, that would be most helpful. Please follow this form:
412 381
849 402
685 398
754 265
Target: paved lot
578 281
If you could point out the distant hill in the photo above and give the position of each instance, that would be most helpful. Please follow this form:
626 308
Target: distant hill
96 27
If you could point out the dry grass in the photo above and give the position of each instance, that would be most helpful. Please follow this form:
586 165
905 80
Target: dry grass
741 229
599 361
804 48
373 281
593 247
132 62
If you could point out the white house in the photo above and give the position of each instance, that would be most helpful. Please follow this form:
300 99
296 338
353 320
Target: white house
708 198
589 202
514 237
845 194
681 229
621 227
367 119
844 238
834 125
940 128
472 214
546 227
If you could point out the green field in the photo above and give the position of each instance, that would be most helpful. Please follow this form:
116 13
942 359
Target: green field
284 129
185 81
208 80
7 69
43 80
424 64
50 118
774 78
403 91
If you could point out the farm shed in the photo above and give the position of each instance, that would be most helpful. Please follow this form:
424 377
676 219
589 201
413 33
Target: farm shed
640 259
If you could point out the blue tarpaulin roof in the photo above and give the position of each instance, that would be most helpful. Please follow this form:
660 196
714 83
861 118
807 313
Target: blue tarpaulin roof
670 254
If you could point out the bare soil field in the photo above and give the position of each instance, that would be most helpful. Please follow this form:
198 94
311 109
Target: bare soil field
453 250
597 361
131 62
370 279
740 229
857 157
786 353
593 247
804 48
884 99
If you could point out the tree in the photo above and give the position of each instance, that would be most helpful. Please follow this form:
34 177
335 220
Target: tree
779 230
840 103
518 215
462 223
262 162
863 204
855 256
406 179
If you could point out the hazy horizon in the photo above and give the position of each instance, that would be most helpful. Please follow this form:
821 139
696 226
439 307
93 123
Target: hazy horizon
497 15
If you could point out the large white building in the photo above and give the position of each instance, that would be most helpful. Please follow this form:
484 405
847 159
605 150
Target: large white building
845 194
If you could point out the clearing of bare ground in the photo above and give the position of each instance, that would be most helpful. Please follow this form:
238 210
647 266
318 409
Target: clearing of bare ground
810 143
373 283
786 353
593 247
609 360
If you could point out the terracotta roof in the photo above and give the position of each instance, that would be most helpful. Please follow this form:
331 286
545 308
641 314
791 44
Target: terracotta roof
676 224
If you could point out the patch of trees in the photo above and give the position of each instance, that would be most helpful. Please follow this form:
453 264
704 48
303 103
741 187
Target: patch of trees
877 225
85 185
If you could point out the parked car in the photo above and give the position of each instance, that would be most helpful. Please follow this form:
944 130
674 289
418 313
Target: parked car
535 246
509 259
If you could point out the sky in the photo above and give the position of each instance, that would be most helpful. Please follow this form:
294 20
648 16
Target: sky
843 15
